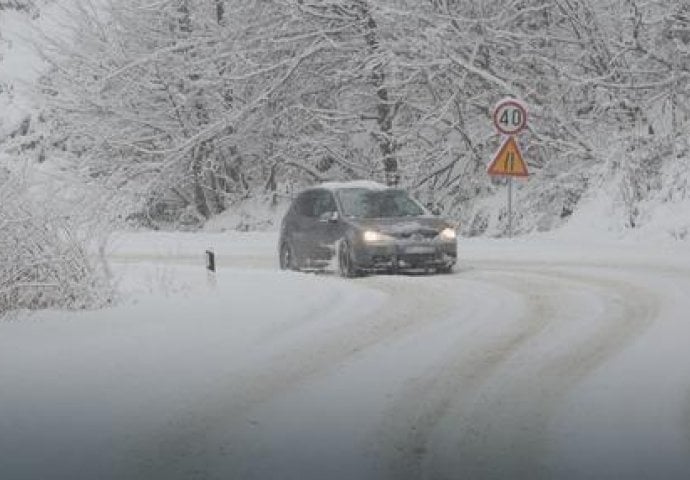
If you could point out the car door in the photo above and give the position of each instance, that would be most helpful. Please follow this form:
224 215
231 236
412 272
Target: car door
326 226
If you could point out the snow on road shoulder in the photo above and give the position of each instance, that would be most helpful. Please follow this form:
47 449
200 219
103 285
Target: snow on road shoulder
79 388
147 263
176 244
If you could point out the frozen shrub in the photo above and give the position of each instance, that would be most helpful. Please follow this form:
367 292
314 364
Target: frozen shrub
43 264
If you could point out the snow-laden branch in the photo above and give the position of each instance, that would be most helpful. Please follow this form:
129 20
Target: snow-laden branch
488 76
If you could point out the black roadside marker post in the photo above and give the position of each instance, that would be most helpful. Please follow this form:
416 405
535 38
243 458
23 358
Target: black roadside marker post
210 261
211 267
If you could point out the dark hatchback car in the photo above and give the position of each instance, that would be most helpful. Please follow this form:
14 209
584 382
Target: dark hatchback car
365 227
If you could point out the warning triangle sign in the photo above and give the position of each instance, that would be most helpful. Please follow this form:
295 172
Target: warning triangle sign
508 160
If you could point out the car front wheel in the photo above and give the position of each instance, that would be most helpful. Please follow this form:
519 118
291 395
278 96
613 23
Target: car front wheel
446 269
346 267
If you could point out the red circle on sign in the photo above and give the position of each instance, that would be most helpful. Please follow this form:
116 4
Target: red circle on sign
515 117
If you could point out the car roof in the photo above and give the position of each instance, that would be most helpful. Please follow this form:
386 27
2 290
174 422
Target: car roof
364 184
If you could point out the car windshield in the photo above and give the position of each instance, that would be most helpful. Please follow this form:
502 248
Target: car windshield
364 203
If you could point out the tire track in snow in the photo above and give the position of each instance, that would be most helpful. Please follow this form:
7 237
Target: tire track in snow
515 419
498 404
204 433
411 425
186 447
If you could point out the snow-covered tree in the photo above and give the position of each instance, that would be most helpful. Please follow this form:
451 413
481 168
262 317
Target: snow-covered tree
194 106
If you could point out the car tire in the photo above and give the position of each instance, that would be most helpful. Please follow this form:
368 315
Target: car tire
346 267
287 257
445 270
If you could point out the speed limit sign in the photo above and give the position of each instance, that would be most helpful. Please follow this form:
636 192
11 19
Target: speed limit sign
510 116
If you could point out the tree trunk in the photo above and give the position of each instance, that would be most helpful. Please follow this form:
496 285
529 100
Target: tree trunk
220 11
197 179
185 19
384 112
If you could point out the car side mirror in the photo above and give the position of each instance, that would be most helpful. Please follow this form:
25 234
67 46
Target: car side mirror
435 209
329 217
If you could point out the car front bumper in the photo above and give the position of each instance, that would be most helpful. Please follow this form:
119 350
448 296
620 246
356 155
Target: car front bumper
404 255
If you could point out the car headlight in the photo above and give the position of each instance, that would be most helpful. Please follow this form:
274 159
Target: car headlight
447 234
370 236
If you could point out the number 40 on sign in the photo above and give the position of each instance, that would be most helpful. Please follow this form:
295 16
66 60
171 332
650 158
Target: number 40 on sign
510 116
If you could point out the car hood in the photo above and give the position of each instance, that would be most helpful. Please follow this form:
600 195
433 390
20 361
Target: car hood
403 226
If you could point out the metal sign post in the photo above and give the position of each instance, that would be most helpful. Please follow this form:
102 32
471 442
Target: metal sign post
510 118
510 207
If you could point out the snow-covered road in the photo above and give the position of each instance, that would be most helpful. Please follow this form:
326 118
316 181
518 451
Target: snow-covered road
538 358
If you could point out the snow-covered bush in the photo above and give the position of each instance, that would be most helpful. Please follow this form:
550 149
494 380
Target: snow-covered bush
43 262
